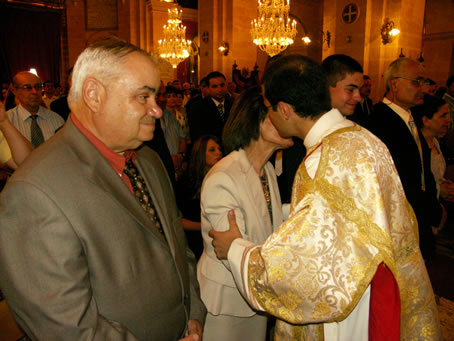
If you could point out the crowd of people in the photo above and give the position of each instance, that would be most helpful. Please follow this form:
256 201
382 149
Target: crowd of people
297 208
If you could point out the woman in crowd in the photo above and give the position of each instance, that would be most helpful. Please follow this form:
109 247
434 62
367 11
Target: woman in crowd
180 114
433 121
206 152
246 182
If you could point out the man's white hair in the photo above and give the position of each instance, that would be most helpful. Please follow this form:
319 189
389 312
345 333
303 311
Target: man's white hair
101 60
395 68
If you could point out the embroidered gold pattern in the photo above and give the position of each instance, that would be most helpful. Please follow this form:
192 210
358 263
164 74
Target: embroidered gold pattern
343 223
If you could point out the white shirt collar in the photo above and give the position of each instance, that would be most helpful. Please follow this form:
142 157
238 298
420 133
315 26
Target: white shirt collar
403 113
217 102
24 114
331 121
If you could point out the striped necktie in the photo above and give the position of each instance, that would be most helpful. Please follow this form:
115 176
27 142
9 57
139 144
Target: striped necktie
221 111
36 133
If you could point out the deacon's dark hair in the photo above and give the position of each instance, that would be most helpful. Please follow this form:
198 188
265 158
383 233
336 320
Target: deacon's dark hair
243 124
431 105
337 66
299 81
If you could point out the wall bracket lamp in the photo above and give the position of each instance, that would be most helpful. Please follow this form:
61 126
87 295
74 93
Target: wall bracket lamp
224 48
388 31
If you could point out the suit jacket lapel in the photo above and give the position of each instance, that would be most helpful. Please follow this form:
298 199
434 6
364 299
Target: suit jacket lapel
101 174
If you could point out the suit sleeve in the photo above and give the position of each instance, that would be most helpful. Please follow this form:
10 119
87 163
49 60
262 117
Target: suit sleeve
44 272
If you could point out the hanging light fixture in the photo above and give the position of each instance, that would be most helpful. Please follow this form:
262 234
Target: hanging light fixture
273 31
174 47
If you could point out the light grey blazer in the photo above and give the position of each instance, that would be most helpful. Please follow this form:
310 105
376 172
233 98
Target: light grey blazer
233 184
79 259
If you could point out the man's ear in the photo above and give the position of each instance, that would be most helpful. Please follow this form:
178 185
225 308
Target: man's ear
92 93
393 84
285 109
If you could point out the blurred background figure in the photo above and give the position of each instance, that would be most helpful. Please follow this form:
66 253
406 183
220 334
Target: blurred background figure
429 87
206 152
433 121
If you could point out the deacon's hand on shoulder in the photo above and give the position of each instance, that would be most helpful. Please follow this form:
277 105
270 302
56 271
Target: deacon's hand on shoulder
222 240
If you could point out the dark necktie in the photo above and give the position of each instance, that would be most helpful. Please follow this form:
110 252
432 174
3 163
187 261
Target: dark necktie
142 194
36 133
221 111
366 108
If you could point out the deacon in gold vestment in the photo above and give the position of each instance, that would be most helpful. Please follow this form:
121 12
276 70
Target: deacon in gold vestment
349 216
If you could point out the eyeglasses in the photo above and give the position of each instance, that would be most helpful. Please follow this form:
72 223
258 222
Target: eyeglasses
416 82
28 87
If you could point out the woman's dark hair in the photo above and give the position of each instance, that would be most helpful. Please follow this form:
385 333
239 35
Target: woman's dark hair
198 168
431 105
243 124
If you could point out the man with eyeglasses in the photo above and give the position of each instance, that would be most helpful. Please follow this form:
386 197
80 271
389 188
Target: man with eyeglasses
393 123
34 121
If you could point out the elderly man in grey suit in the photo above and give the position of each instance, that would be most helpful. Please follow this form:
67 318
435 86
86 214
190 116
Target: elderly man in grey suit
91 241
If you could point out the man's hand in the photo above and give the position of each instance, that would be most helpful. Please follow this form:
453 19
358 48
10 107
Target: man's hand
222 240
194 332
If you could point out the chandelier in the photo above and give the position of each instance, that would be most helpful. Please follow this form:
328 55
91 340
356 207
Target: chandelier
174 47
273 31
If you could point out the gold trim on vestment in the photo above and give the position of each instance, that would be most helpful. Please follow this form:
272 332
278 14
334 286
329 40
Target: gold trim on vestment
318 264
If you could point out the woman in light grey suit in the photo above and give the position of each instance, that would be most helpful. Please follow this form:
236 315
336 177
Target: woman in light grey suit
246 182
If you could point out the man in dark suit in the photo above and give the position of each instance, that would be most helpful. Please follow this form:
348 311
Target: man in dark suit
392 122
91 241
208 116
364 108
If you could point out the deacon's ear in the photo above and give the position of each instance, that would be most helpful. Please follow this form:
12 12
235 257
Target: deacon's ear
285 109
92 93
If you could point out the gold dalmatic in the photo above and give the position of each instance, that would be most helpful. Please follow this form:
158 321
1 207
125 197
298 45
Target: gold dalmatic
346 221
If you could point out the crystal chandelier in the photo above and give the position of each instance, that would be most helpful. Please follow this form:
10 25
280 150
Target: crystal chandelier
174 47
273 31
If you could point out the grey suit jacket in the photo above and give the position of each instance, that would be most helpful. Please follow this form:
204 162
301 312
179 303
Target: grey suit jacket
79 259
